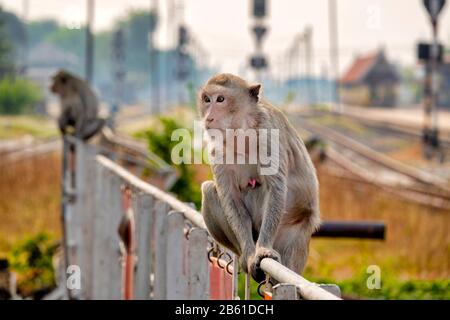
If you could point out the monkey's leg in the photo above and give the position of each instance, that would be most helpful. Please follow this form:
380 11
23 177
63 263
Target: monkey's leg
292 242
215 218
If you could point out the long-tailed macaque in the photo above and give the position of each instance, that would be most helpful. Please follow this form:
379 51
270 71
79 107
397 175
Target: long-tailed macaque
79 105
253 214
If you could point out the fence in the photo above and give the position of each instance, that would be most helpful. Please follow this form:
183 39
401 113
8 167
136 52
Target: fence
131 240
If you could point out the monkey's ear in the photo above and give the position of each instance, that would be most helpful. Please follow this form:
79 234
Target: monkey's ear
254 91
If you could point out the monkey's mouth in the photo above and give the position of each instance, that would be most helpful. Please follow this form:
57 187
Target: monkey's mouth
209 126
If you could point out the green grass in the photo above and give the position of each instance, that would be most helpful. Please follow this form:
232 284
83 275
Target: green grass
13 127
390 288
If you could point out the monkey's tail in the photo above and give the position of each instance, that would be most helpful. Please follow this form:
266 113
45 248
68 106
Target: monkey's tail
311 222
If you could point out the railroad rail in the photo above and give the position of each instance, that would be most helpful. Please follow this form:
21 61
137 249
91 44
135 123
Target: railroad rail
23 152
130 153
401 129
381 170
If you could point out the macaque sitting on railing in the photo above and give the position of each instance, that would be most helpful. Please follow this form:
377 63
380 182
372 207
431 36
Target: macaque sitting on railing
79 106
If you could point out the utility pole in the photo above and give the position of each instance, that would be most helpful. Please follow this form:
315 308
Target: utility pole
324 92
334 49
295 68
89 66
307 37
258 61
293 65
154 60
119 73
170 32
430 129
181 53
26 8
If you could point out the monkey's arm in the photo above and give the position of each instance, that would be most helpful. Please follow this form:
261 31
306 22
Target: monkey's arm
237 216
276 185
276 190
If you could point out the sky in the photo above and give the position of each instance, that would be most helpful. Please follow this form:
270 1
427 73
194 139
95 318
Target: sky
223 27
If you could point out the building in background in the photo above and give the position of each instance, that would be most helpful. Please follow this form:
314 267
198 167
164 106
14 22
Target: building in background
45 60
371 80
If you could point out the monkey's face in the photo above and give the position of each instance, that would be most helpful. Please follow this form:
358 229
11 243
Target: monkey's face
60 85
226 101
217 107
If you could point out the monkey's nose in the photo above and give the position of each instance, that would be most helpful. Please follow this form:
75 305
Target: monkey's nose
209 119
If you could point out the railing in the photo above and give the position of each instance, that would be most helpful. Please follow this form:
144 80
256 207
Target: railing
132 240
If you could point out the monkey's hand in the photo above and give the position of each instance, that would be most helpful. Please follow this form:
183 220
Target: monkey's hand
254 263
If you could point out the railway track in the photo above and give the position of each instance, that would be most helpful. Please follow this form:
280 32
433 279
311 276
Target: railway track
376 168
23 149
403 130
129 152
21 152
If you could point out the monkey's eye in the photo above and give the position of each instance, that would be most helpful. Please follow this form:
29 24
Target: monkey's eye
220 99
206 99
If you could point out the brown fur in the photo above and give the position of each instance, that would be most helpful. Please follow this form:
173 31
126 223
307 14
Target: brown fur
283 210
79 105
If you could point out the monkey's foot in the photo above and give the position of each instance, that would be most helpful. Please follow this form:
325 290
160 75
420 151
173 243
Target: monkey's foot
244 261
255 262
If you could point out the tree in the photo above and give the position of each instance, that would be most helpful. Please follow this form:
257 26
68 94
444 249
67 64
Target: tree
137 26
69 40
18 95
13 31
6 65
38 31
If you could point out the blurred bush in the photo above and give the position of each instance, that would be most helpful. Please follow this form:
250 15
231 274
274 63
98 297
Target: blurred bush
160 142
31 259
392 288
18 95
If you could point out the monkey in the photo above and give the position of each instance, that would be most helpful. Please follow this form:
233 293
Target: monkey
254 215
79 105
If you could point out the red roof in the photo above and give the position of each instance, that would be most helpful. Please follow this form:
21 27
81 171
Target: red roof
359 68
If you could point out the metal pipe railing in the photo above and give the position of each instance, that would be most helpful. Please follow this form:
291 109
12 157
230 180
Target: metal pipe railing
307 289
194 216
353 229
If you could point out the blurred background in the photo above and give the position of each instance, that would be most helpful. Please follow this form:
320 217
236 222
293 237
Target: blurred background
365 82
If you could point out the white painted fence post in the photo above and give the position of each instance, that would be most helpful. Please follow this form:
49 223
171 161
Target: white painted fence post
82 225
160 274
107 267
115 216
74 218
71 239
247 287
198 265
98 262
143 209
285 291
235 277
176 271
